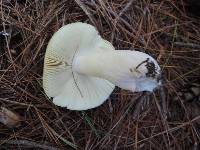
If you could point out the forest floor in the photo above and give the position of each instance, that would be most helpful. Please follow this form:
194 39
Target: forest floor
167 119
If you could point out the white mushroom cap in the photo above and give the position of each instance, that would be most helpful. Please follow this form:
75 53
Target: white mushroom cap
68 88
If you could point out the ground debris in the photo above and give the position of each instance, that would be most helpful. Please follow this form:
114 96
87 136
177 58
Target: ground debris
169 118
9 118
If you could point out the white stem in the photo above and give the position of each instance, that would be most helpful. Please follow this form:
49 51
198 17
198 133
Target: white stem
118 66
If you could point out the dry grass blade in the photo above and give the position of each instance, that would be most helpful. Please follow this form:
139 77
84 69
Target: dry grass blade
83 7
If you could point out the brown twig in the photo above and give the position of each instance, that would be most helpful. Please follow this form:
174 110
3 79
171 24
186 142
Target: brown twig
187 45
31 144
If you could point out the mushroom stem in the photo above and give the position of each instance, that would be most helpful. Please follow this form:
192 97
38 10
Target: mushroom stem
101 64
122 68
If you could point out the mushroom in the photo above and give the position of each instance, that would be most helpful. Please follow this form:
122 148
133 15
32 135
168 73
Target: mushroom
81 69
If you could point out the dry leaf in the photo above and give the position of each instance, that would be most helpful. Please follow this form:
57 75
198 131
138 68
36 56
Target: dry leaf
9 118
